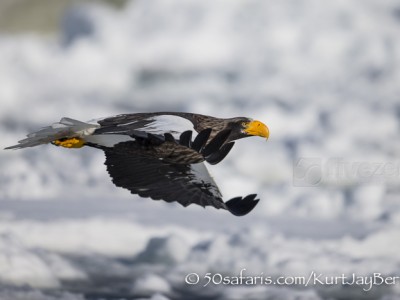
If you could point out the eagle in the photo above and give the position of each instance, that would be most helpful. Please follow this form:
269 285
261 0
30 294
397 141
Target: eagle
160 155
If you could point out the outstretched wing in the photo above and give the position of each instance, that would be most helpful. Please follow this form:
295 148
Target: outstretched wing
150 177
163 168
183 183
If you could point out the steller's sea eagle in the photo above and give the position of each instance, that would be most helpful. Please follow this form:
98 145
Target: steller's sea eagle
159 155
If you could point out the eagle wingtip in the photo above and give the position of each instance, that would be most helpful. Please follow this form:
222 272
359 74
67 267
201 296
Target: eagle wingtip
240 206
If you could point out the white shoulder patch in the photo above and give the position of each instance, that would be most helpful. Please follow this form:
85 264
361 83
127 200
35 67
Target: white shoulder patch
169 123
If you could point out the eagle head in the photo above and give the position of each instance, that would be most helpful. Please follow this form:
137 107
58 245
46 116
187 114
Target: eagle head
244 127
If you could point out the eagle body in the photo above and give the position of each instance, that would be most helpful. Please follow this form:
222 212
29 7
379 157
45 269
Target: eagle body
160 155
169 122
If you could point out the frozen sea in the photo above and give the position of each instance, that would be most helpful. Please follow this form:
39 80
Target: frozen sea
323 75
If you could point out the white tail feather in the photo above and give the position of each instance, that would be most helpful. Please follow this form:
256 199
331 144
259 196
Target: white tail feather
66 128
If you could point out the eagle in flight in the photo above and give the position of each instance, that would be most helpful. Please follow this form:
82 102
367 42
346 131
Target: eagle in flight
160 155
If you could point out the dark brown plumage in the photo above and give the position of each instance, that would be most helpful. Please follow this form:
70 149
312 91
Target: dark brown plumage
160 155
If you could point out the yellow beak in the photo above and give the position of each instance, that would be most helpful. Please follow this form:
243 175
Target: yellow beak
257 128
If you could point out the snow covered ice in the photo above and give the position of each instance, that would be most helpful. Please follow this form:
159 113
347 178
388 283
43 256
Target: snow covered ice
324 77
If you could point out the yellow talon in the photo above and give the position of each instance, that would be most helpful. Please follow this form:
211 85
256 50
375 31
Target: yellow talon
70 142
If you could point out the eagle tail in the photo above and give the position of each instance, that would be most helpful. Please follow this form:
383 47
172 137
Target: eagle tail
68 133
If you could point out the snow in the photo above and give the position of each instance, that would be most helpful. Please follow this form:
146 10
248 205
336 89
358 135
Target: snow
148 284
165 250
29 294
322 75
